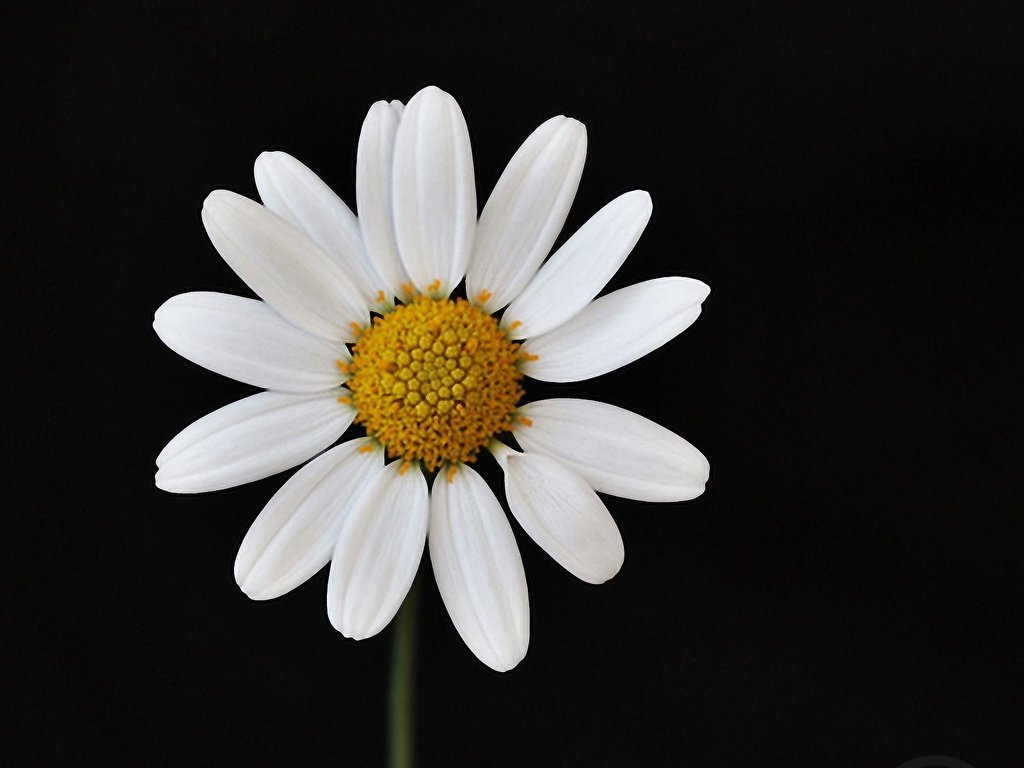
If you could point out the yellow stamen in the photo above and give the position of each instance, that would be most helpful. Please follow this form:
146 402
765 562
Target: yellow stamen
483 297
381 297
405 467
357 329
366 448
345 367
434 286
524 421
451 473
344 399
515 324
434 381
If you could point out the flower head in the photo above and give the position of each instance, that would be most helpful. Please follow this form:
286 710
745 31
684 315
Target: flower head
435 381
357 323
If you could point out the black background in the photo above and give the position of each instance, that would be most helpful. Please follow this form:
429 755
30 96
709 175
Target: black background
848 181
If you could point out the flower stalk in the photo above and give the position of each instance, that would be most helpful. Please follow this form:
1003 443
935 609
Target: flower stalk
402 685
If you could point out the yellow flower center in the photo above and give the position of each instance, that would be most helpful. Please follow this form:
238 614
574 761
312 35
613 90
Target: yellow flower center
434 381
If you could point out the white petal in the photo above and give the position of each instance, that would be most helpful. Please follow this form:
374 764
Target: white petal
374 165
250 439
294 536
284 267
526 211
434 191
246 340
578 270
478 569
378 552
615 450
616 329
561 512
295 193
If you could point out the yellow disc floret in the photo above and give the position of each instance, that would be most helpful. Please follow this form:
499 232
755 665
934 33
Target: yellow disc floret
434 381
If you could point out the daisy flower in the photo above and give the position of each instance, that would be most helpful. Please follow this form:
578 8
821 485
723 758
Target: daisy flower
356 322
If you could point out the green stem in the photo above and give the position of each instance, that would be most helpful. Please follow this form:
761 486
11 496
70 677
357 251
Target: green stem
402 685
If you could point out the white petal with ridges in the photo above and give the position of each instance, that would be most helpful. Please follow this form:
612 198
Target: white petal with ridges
378 552
434 191
560 511
616 329
295 534
374 170
526 211
247 341
284 267
577 271
478 569
615 450
250 439
294 192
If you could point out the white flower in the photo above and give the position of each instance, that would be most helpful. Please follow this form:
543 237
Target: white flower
433 380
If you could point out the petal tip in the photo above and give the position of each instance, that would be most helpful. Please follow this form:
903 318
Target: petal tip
218 194
216 203
263 158
255 593
161 481
241 579
264 165
507 662
352 633
605 574
429 92
577 127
